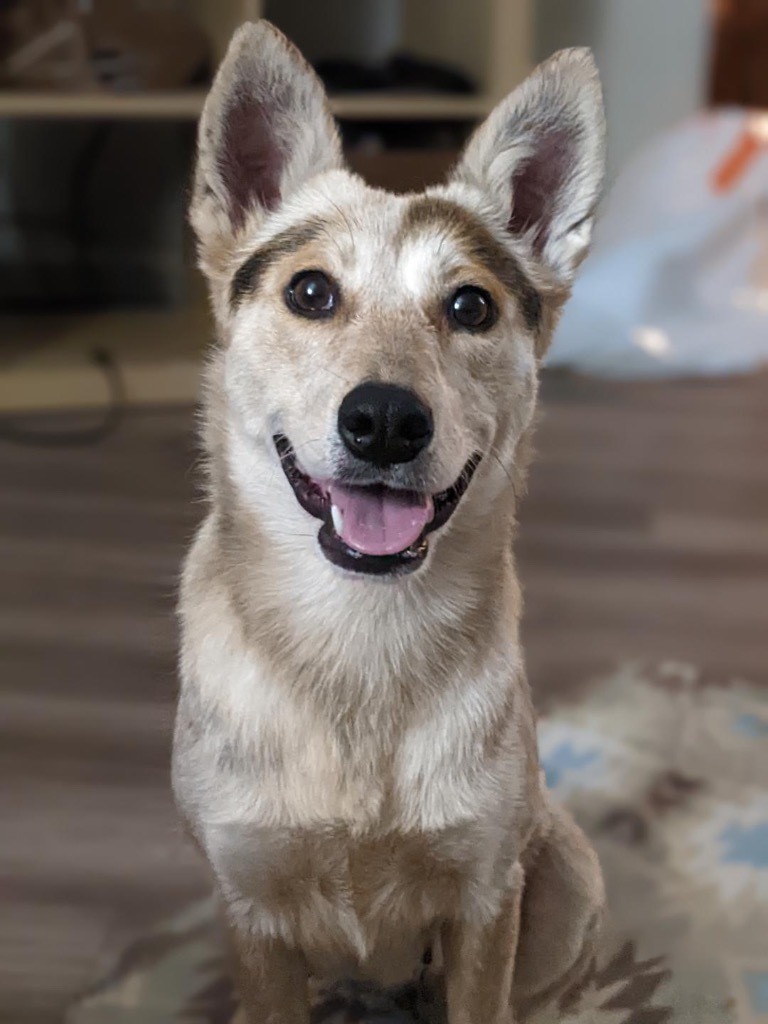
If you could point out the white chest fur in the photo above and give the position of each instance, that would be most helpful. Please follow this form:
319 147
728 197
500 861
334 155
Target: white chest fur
349 829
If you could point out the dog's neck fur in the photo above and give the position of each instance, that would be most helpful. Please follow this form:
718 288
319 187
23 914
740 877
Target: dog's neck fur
320 630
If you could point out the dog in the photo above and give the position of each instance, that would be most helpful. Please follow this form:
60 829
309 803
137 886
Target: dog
355 748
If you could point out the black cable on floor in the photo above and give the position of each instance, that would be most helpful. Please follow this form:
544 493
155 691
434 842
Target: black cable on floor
11 431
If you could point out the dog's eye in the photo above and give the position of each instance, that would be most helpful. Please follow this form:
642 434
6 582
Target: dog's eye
472 308
311 294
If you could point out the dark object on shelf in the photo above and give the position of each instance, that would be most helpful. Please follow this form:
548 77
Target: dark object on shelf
49 44
42 46
342 75
135 46
420 75
371 136
401 73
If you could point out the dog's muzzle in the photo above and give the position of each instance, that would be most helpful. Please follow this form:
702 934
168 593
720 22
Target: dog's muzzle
375 530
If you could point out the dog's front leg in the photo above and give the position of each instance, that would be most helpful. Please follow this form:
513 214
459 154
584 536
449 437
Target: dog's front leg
272 981
479 962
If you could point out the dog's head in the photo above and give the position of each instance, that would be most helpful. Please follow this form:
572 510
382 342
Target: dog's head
379 353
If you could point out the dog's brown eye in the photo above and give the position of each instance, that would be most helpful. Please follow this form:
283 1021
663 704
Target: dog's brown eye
472 309
311 294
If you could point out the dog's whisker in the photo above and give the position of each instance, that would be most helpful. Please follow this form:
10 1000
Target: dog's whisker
341 212
305 444
338 376
333 239
278 469
493 451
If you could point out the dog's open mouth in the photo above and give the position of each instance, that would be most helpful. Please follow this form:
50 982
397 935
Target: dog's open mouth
373 529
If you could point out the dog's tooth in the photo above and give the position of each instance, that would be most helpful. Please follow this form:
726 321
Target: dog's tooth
338 519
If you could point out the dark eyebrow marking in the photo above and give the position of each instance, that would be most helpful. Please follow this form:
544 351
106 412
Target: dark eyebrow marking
480 245
246 278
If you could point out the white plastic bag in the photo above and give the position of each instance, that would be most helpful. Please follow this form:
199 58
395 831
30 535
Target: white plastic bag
677 283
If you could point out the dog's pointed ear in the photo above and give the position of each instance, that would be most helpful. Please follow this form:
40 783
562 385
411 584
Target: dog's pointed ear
539 158
266 128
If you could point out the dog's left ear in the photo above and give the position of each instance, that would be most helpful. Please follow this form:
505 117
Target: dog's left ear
265 130
539 158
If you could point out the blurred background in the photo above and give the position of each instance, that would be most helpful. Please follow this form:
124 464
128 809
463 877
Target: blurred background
643 541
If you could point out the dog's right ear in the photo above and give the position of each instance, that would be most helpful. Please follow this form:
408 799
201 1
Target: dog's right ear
266 129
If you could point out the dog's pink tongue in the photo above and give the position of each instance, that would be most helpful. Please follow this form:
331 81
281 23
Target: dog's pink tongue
376 521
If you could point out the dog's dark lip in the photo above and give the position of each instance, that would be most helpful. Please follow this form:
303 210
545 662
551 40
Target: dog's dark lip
309 495
345 557
314 500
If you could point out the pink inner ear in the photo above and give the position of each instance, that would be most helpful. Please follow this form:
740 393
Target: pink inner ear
537 184
251 158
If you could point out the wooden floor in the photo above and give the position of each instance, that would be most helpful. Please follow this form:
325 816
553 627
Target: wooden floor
645 535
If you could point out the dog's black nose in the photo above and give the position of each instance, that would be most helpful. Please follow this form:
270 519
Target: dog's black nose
384 424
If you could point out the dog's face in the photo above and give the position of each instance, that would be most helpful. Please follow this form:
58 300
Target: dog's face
380 352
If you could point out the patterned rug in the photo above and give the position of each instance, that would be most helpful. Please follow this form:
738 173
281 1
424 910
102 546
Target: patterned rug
668 773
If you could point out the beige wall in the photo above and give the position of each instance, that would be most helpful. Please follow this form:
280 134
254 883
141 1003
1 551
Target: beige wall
653 56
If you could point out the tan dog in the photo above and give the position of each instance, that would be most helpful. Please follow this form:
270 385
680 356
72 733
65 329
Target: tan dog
355 749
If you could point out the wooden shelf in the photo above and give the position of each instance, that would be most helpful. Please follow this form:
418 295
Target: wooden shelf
405 107
186 105
182 105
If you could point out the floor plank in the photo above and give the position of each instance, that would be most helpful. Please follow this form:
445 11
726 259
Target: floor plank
643 536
